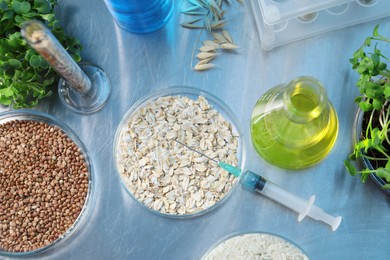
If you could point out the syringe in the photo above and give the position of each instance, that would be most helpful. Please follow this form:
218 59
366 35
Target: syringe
256 183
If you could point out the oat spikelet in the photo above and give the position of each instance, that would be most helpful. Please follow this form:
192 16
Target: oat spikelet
208 48
206 55
227 36
229 46
210 43
201 67
219 37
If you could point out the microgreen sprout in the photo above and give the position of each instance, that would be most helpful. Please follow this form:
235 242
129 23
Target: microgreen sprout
374 98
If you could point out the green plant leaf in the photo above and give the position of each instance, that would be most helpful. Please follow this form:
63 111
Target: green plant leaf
375 141
365 106
387 91
7 15
38 62
383 173
14 40
6 92
352 156
5 100
21 7
4 47
48 17
377 104
367 41
35 61
30 15
43 6
364 175
386 186
358 99
3 5
350 168
14 63
375 58
375 31
20 19
362 144
382 66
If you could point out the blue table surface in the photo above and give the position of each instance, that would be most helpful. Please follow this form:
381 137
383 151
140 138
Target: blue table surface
119 228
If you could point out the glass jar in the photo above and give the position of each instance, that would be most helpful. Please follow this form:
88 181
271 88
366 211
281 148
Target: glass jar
294 126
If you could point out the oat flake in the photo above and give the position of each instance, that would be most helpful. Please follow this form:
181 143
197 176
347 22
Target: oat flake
164 175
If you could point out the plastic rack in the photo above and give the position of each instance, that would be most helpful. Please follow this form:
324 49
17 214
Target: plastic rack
283 21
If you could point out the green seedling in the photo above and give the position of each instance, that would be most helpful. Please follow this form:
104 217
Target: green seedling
374 88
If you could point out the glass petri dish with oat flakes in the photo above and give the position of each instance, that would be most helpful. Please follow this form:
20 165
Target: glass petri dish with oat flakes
46 183
161 174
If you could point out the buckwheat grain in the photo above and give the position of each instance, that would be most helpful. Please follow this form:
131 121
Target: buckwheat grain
43 184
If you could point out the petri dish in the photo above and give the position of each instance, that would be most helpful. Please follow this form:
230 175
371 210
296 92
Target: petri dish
357 134
57 191
255 245
160 179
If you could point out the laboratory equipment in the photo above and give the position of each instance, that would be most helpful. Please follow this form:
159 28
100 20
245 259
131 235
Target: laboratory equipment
140 16
231 169
60 224
255 245
83 89
283 22
294 126
162 154
256 183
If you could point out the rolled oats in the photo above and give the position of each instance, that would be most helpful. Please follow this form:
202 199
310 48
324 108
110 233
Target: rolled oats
164 175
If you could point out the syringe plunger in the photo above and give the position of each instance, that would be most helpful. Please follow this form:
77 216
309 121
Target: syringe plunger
254 182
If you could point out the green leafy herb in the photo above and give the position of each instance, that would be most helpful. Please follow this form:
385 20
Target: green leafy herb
374 87
25 77
370 64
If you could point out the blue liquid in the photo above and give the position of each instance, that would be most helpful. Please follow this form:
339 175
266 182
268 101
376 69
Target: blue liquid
140 16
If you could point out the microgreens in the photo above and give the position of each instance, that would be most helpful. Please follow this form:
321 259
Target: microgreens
25 77
374 98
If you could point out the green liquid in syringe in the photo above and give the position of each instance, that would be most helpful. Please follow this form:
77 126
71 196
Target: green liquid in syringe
290 144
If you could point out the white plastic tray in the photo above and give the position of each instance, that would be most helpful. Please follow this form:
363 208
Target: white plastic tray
322 21
276 11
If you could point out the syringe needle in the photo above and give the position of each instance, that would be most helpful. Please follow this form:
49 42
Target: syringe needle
229 168
192 149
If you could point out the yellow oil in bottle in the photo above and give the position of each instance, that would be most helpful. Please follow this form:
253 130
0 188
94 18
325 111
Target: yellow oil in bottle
294 127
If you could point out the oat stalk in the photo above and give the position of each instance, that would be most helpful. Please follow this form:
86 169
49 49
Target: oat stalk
209 15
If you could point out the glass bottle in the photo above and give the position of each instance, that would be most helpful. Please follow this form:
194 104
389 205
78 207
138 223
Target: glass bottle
294 126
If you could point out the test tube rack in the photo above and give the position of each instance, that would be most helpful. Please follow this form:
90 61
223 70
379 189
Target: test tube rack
280 22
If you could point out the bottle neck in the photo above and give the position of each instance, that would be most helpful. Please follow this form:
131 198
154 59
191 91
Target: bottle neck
304 99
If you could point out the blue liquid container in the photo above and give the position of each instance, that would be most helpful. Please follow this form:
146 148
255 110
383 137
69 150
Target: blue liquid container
140 16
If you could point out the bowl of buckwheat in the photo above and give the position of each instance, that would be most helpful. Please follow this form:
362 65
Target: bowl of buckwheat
45 183
154 159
